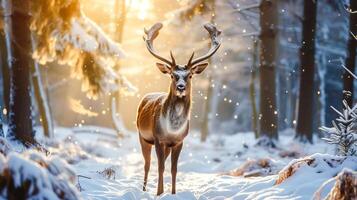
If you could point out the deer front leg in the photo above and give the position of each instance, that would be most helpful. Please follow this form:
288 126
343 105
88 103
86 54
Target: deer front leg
160 153
167 152
174 158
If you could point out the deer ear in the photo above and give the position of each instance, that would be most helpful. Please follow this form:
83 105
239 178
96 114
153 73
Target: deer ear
197 69
163 68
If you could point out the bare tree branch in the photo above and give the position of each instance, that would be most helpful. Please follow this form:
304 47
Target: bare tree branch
256 5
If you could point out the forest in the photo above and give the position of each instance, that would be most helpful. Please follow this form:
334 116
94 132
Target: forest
178 99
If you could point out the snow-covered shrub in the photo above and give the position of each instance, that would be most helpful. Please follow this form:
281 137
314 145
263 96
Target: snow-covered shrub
72 153
32 176
343 132
64 34
317 163
1 127
291 168
290 154
345 186
265 141
108 173
5 147
260 167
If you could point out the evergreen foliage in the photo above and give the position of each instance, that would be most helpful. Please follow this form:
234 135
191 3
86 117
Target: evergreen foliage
343 132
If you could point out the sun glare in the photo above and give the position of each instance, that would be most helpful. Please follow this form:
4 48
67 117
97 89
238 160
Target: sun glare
142 7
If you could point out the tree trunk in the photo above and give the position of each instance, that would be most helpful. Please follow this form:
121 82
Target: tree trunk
5 53
252 89
20 119
351 57
41 98
268 112
120 7
42 101
1 127
207 109
304 127
5 73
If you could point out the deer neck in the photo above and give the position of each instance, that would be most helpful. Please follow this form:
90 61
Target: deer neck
175 109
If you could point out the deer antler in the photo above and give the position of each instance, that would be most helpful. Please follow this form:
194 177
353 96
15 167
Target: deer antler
214 33
151 34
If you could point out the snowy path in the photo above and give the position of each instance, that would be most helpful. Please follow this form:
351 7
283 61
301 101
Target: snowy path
200 168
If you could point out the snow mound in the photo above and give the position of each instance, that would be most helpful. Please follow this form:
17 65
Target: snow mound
72 153
344 188
260 167
316 164
33 176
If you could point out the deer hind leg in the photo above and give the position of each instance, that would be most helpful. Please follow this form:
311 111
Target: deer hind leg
160 152
174 159
146 150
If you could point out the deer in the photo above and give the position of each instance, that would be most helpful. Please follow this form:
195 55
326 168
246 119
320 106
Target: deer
163 119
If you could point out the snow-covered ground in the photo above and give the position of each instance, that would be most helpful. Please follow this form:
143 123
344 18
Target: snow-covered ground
112 168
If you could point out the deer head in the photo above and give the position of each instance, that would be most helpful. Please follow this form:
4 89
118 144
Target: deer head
181 75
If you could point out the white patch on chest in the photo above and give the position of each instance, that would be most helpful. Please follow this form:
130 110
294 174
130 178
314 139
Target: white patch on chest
174 122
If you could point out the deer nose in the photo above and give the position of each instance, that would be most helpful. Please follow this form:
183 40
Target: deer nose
181 87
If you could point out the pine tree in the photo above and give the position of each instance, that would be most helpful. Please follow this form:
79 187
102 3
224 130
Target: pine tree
343 132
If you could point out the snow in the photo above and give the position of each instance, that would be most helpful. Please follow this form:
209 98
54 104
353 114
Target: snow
108 167
112 168
32 176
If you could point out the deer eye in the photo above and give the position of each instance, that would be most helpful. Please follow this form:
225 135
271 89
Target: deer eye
177 77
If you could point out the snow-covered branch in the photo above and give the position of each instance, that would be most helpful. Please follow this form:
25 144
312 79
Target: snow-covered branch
248 7
67 36
343 132
349 10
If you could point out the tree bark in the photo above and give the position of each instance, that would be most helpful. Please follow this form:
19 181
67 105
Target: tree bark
252 90
351 57
42 101
268 38
304 127
5 73
41 97
114 98
1 127
4 61
20 119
